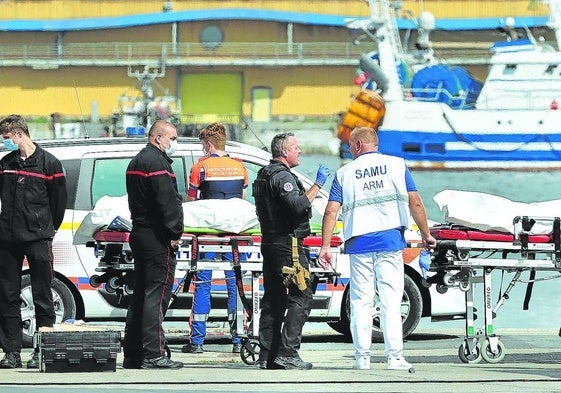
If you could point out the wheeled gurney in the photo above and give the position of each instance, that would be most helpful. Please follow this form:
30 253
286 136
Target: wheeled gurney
462 251
117 268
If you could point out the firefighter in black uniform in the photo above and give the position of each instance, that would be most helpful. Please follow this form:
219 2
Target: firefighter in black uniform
157 226
284 209
33 196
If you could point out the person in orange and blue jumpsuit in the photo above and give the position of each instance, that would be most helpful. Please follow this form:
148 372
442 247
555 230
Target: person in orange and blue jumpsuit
215 176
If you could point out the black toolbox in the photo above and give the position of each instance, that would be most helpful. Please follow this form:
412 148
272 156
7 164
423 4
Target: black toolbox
81 350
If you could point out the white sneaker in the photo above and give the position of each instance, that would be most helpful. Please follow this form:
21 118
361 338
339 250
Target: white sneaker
362 363
398 364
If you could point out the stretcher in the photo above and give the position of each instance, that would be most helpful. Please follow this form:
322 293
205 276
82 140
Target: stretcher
465 257
116 268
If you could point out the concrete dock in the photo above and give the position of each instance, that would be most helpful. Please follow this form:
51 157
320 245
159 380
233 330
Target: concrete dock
532 364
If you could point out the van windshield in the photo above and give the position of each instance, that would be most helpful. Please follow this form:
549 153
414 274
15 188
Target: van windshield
109 177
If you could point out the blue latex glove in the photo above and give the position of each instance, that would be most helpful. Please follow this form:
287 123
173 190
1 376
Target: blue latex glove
322 175
424 262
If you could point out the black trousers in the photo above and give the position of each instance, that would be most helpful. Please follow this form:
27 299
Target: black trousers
284 310
154 272
40 260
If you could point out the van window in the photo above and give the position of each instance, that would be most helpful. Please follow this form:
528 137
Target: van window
178 166
71 171
109 177
252 170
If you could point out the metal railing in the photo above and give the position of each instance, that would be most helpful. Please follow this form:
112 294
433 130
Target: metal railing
189 53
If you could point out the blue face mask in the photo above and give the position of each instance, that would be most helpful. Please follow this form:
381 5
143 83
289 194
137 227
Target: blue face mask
10 144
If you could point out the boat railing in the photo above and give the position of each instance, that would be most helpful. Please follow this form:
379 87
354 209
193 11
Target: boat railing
517 99
500 98
438 94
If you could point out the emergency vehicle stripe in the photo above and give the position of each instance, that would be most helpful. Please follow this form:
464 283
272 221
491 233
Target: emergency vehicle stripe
31 174
150 174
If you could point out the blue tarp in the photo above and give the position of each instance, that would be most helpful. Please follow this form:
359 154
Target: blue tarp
446 84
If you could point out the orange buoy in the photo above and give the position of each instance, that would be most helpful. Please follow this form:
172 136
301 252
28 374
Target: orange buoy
366 110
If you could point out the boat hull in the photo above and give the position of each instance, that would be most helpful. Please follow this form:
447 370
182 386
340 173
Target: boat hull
432 135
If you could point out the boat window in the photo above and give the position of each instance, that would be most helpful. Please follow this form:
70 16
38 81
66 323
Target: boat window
435 148
550 69
411 148
509 69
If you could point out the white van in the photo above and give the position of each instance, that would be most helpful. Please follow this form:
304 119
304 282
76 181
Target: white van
96 167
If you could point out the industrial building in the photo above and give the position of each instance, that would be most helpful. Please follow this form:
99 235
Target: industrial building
228 61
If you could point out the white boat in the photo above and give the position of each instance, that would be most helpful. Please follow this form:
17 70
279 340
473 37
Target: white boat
513 122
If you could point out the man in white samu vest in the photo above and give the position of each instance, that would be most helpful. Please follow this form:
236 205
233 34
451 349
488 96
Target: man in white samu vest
377 195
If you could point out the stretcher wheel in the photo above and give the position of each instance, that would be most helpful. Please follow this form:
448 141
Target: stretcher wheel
128 257
96 281
441 288
464 286
448 279
250 351
466 356
489 356
113 282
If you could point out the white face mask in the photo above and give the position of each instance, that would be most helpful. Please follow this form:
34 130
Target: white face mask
172 148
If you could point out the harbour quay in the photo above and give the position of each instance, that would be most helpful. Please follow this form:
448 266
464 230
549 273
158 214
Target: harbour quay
532 364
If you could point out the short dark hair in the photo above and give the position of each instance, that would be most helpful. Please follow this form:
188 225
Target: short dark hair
277 144
13 123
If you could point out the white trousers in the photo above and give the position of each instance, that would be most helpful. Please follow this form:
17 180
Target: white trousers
381 271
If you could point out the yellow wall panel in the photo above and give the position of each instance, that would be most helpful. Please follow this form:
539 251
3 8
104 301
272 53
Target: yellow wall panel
155 33
303 90
55 9
235 31
477 9
39 93
61 9
27 37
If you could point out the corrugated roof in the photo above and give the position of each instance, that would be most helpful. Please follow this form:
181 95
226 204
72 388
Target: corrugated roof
240 14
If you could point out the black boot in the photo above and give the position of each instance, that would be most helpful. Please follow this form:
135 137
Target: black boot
161 362
33 362
11 360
